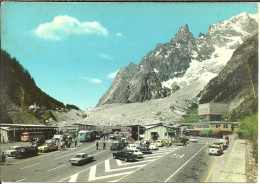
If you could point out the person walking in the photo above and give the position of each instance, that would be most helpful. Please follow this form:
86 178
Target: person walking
97 145
76 142
69 143
3 158
104 144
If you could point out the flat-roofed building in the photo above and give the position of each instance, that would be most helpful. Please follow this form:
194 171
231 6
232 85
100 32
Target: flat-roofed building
212 111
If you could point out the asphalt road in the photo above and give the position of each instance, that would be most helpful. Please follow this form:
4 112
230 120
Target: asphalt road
174 165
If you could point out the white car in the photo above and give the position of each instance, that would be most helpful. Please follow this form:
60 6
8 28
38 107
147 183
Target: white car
11 151
132 146
138 153
153 146
193 139
159 143
215 151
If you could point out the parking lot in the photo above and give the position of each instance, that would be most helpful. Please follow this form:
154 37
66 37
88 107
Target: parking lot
54 166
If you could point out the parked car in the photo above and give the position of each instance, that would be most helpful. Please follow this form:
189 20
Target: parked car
193 139
37 142
116 146
124 141
223 142
215 149
145 149
132 146
26 152
12 150
146 141
126 155
153 146
81 158
49 146
138 153
159 143
114 137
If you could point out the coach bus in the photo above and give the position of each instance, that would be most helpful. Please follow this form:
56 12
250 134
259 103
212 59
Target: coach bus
27 136
86 135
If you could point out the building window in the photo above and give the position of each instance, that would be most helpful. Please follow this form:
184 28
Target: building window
217 126
226 126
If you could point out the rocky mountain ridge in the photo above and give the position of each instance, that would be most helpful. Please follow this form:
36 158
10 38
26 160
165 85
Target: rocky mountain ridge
182 61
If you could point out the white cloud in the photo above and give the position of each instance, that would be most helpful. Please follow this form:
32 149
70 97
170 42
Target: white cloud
92 80
112 75
105 56
63 26
119 34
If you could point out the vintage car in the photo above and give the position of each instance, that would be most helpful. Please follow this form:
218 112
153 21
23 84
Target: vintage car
12 150
159 143
126 155
153 146
81 158
132 146
215 149
37 142
223 142
116 146
138 153
145 149
193 139
48 147
27 151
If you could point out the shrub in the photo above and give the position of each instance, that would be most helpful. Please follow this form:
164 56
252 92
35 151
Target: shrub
248 129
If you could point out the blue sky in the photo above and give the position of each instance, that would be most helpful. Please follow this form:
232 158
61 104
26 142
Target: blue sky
73 50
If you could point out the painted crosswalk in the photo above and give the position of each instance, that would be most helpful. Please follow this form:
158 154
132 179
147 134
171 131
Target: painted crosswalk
111 170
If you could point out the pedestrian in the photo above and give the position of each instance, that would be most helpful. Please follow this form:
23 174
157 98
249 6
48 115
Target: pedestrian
104 145
69 143
66 143
3 158
97 145
170 144
62 145
76 142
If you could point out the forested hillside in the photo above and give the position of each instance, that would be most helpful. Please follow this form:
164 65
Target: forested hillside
19 91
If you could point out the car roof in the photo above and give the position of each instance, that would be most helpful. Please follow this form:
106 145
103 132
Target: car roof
80 153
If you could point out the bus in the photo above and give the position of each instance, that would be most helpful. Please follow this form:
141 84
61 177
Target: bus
27 136
86 135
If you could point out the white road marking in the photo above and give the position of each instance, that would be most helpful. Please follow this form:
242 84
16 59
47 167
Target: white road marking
92 174
56 167
81 171
141 167
173 155
107 167
74 178
21 180
184 164
119 162
181 156
30 166
73 153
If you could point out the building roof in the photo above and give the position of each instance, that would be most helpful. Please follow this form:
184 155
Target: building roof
26 125
210 122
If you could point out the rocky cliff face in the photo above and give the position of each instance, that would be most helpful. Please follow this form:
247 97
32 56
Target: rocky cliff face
181 62
237 83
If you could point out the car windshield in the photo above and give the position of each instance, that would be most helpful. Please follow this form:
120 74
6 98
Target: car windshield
12 148
78 156
152 144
